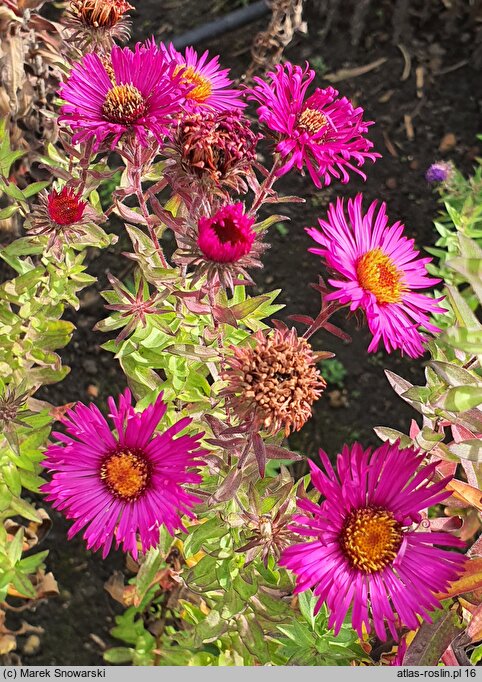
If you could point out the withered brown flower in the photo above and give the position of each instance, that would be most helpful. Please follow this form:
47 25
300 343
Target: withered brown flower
96 23
274 382
213 149
268 533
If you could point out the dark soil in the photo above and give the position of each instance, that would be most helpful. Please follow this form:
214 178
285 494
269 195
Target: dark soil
445 113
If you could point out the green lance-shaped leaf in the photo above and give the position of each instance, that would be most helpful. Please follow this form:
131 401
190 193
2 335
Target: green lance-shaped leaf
452 374
119 655
461 398
385 433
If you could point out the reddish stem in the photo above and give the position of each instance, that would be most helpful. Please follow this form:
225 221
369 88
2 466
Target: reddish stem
145 211
322 318
266 186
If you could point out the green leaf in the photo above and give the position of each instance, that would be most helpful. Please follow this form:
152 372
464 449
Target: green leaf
8 212
5 498
461 398
203 533
427 439
12 478
267 222
253 638
11 189
23 585
191 352
148 570
386 433
453 374
119 655
34 188
14 551
22 507
210 629
299 633
466 339
7 160
31 563
25 246
462 310
245 589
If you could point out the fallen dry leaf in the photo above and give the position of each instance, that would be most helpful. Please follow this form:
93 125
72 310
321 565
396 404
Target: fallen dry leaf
344 74
447 143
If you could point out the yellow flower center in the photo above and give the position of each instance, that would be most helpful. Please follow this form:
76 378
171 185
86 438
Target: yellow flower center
107 64
123 104
126 474
312 121
371 538
190 76
378 273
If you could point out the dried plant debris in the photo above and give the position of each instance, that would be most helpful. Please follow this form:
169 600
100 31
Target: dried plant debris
30 70
268 46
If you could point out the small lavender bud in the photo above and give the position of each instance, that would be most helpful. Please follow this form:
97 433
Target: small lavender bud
440 171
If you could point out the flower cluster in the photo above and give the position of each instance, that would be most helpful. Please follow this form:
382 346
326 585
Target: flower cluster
178 123
215 150
135 92
273 383
63 216
220 246
207 87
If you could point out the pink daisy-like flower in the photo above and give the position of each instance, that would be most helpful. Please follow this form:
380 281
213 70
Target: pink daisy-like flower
226 236
324 133
220 243
379 272
126 484
133 92
206 85
366 552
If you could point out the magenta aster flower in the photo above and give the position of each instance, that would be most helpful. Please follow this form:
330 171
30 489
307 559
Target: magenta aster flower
365 551
134 92
219 243
324 133
379 273
206 85
63 216
122 485
226 236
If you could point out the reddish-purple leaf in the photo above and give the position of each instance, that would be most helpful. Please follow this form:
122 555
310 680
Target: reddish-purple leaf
277 452
260 453
228 488
432 639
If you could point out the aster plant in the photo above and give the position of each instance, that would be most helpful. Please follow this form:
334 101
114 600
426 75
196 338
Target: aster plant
188 471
